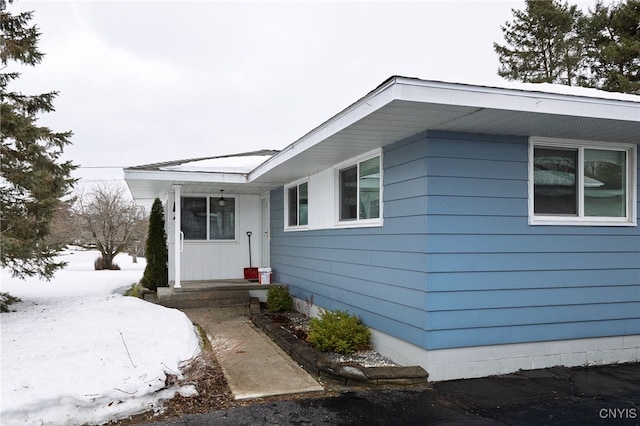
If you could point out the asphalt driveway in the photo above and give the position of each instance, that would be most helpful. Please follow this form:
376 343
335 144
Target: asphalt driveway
576 396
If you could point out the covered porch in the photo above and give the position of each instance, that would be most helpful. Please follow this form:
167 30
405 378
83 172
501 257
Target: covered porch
217 223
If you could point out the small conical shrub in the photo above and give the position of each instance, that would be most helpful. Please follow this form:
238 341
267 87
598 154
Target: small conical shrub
156 273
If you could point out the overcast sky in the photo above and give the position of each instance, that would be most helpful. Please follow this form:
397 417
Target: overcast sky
148 81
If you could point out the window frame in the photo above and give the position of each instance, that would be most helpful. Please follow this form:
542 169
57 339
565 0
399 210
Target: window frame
580 219
213 198
356 161
296 184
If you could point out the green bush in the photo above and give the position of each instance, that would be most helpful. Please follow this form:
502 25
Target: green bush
338 331
279 299
156 273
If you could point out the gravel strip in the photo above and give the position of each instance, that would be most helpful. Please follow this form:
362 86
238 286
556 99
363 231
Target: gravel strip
368 358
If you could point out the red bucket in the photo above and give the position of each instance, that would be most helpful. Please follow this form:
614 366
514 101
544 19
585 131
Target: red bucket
251 274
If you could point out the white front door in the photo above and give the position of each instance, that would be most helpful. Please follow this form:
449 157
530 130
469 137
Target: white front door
265 235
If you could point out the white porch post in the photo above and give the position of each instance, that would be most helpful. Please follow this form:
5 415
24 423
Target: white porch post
177 236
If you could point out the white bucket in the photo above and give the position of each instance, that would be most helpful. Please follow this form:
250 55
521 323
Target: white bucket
264 275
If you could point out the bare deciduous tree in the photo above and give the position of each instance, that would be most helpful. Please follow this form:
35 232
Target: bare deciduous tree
108 218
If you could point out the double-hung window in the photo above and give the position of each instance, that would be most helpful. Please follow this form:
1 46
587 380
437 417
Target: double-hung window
206 218
360 191
297 205
581 183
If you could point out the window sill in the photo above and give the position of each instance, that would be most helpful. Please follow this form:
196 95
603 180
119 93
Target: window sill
359 224
296 228
190 242
579 222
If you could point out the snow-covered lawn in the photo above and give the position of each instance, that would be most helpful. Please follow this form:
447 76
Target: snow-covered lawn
76 352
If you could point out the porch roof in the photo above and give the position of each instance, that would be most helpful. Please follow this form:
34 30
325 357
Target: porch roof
402 107
197 175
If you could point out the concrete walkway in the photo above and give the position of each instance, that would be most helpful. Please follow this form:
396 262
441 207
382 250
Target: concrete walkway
253 365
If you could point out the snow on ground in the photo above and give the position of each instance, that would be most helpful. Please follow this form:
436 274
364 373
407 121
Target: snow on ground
75 352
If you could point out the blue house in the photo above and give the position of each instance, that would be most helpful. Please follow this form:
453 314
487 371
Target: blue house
476 230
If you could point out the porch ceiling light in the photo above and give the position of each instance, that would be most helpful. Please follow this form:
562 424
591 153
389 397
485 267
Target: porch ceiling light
221 201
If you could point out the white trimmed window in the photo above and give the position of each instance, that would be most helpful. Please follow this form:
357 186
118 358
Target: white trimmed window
359 191
297 206
208 219
581 183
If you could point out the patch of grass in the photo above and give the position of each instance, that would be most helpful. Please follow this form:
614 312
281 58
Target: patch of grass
204 340
6 300
134 291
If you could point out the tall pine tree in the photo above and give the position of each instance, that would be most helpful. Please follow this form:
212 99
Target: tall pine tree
543 44
613 46
33 178
156 252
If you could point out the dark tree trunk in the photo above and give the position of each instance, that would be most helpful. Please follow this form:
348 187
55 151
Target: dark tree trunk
107 258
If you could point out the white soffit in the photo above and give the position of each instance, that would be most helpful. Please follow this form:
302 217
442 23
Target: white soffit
403 107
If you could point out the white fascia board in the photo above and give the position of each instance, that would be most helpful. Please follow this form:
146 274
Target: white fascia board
370 103
515 99
525 99
204 177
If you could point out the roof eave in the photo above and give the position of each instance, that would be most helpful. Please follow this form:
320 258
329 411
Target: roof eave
516 99
371 102
531 100
184 176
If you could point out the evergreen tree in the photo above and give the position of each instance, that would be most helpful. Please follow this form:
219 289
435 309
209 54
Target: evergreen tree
543 44
33 178
156 252
613 41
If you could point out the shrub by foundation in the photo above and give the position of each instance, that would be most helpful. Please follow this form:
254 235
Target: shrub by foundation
279 299
156 273
338 331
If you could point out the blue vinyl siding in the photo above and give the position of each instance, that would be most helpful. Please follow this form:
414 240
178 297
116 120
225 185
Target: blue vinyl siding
378 272
456 263
494 279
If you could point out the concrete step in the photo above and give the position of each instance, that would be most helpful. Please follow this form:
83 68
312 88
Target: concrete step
203 298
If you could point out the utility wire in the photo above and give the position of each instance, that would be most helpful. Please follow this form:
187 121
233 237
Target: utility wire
102 167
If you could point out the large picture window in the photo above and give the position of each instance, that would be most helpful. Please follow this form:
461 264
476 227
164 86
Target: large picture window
202 218
359 191
582 183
